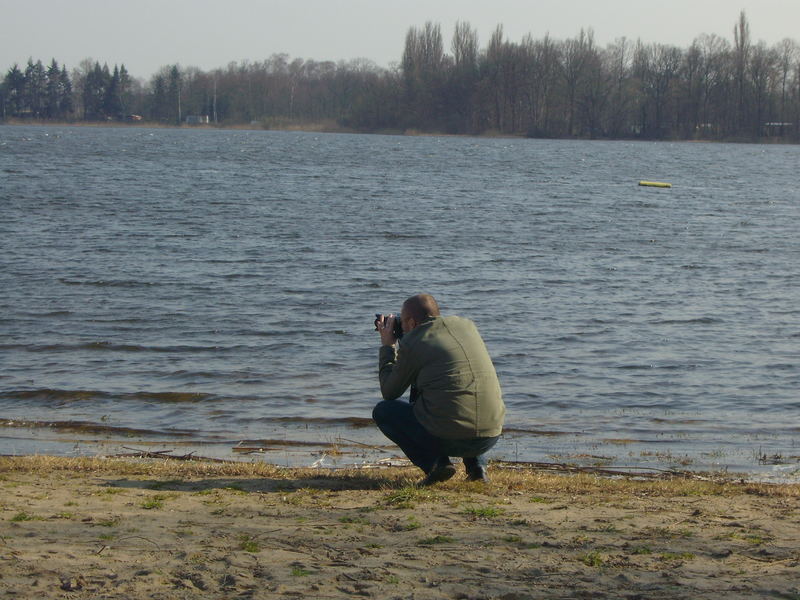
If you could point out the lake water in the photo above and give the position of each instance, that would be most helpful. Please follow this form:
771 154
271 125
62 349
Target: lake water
205 289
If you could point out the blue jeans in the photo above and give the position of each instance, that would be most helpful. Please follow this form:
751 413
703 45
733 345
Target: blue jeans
395 418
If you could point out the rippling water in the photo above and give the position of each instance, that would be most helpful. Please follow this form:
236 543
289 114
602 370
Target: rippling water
208 287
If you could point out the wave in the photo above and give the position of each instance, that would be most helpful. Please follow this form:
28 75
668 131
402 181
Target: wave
56 395
697 320
91 427
507 430
671 367
352 421
393 235
114 347
112 283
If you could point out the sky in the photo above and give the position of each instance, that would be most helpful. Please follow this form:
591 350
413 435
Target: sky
146 35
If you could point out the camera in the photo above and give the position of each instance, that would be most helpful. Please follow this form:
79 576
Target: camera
398 326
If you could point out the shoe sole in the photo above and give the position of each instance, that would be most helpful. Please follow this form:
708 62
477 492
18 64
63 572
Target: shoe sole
438 476
478 479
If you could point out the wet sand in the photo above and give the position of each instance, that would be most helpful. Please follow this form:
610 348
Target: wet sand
94 528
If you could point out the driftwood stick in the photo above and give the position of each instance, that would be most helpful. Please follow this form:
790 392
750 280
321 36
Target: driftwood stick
365 445
648 472
164 454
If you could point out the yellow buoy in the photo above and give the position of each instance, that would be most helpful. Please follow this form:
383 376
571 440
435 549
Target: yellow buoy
660 184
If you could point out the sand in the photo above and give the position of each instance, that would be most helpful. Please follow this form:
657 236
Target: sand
126 529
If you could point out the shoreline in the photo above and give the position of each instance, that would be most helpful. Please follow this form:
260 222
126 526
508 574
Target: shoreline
109 528
331 127
352 442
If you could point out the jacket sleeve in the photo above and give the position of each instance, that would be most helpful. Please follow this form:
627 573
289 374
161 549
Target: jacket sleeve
395 372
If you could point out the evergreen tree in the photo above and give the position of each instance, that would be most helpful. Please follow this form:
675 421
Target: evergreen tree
65 104
35 89
94 92
112 105
52 107
158 99
124 91
14 92
174 95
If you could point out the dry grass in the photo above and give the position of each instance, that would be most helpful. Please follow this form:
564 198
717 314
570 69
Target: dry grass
504 481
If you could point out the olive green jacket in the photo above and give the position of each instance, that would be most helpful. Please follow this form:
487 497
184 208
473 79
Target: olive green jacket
455 391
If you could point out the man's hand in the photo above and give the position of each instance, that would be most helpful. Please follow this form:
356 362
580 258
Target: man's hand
385 327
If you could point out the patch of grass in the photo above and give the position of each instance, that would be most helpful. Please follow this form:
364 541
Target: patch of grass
532 545
641 550
512 539
677 556
437 539
184 532
580 540
483 512
110 491
393 579
23 516
153 503
530 482
303 496
751 538
408 496
109 522
106 536
355 520
539 500
412 524
248 544
666 532
374 546
64 515
592 559
300 572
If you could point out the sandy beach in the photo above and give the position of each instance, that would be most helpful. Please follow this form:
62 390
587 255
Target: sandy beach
111 528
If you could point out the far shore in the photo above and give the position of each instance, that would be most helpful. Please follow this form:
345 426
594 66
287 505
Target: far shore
134 528
330 126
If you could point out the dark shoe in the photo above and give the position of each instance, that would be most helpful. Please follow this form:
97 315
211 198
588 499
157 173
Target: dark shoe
478 474
439 473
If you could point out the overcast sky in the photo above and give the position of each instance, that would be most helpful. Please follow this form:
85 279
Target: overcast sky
148 34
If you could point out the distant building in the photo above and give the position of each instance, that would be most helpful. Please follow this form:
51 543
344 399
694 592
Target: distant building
197 120
777 129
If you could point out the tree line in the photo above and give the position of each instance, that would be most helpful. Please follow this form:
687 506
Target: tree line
717 89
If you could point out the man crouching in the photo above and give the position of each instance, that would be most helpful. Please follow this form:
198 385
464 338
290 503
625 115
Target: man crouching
455 406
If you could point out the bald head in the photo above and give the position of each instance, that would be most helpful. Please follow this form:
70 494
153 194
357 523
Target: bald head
420 307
